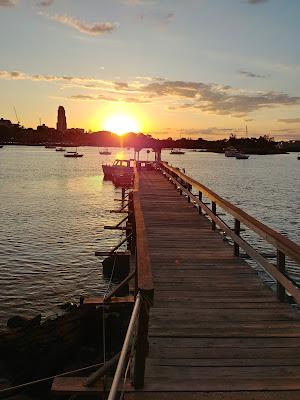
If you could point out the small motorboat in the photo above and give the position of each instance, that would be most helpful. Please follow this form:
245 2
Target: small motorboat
73 154
1 146
50 146
298 158
105 152
241 156
60 149
117 168
231 151
175 151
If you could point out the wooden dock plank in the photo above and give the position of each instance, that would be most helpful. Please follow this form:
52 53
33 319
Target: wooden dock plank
216 331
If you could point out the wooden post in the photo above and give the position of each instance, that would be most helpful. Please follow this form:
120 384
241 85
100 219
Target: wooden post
200 198
123 196
189 188
281 268
131 244
141 346
237 231
214 210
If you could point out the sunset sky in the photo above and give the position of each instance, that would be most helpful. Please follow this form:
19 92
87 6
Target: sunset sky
196 68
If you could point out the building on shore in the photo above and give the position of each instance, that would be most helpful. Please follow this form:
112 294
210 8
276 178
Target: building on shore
61 125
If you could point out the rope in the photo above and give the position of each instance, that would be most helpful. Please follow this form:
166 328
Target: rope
21 386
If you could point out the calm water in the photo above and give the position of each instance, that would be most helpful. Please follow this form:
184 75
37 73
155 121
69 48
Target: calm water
53 210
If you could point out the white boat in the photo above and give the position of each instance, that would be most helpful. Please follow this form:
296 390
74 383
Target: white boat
73 154
174 151
60 149
231 151
119 167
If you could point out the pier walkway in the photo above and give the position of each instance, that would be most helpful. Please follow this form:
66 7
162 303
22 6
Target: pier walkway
215 329
204 325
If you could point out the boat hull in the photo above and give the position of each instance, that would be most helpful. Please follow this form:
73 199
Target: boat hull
109 171
73 155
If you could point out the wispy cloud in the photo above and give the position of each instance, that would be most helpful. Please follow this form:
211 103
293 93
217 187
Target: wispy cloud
212 98
250 74
95 29
87 82
45 3
289 120
256 1
138 2
8 3
219 99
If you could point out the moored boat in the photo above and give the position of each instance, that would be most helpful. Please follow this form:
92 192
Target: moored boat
117 168
241 156
230 151
105 152
73 154
175 151
60 149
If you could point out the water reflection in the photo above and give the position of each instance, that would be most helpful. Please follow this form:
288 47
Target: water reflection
53 211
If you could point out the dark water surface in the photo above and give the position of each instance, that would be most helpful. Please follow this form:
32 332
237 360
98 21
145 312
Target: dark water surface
53 211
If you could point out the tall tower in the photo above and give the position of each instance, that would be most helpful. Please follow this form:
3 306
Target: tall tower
61 119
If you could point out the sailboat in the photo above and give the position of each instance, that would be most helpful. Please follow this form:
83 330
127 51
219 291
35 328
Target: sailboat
60 148
73 154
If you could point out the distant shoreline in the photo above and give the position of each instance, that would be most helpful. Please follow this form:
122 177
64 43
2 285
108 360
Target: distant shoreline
202 150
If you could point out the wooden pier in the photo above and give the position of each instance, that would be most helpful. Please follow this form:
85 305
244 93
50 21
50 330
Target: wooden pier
204 325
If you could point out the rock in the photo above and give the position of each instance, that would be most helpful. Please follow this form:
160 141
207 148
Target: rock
19 322
68 306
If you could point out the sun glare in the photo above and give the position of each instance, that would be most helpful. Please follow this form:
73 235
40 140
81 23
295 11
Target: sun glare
121 124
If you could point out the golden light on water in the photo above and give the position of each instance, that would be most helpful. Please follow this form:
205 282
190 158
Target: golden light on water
121 124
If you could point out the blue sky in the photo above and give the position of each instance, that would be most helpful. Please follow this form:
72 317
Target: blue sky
194 67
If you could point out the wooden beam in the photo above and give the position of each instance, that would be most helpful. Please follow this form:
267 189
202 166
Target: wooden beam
109 253
97 301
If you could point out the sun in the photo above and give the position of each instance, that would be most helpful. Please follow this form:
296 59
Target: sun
121 124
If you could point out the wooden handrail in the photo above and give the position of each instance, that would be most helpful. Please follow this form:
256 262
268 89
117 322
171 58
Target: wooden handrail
287 246
143 265
283 282
144 298
144 285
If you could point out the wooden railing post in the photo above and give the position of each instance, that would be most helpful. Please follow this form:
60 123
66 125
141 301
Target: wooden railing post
189 187
281 268
123 196
141 345
237 231
214 210
131 244
200 198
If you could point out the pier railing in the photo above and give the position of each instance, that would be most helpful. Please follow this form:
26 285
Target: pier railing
283 246
135 346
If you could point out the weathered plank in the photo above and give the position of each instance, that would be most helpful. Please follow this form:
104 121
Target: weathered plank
215 330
